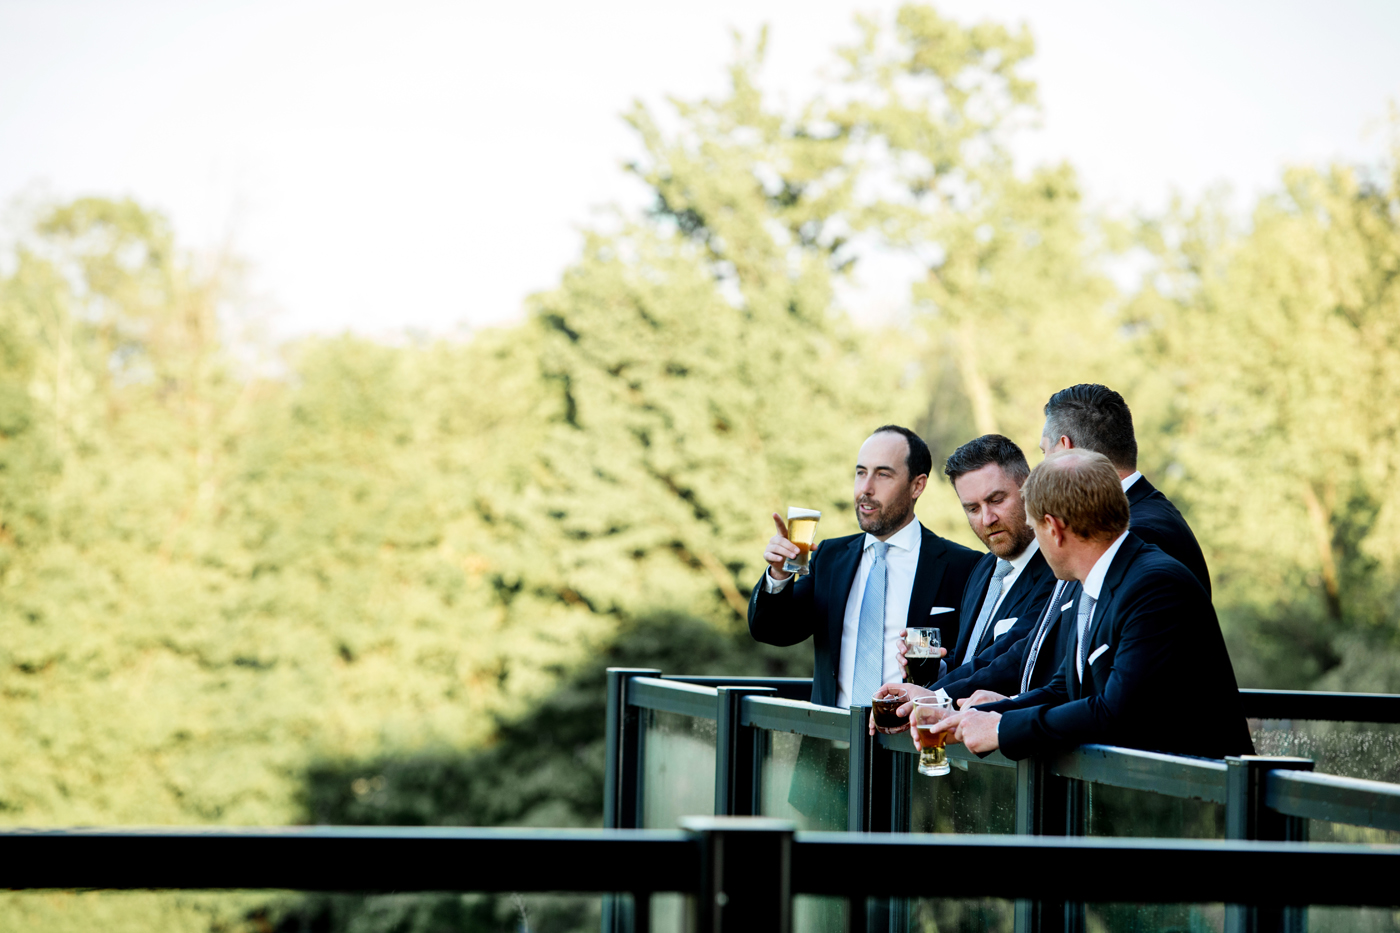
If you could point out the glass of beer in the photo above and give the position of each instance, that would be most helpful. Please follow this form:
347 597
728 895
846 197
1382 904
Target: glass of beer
921 654
801 531
933 759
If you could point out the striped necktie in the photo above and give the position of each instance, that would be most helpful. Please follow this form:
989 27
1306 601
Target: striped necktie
989 605
1051 611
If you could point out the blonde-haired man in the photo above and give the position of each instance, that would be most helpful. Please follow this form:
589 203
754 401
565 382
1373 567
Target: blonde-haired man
1148 647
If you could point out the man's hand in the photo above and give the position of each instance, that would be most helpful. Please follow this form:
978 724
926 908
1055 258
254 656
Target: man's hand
978 698
913 694
779 549
972 727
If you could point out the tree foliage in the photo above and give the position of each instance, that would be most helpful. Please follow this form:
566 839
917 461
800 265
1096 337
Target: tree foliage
381 586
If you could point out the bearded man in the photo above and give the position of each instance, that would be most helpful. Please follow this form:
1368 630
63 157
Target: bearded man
864 590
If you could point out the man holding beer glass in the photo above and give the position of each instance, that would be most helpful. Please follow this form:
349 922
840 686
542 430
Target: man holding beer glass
1145 636
863 590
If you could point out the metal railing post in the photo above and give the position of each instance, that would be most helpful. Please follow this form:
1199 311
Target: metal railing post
622 778
1043 808
1247 816
869 807
745 874
737 756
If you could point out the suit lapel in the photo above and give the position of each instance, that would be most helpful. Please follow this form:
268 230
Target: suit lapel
843 576
927 578
1100 627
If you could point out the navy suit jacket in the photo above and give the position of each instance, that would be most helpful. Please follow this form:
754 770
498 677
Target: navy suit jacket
814 606
1024 603
1156 521
999 667
1160 678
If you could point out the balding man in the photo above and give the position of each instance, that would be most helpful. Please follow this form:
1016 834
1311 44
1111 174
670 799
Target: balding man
1147 648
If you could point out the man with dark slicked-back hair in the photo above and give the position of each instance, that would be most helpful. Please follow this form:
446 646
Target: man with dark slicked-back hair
1094 417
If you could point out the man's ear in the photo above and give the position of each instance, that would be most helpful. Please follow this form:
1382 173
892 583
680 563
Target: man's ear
1064 443
1058 531
917 487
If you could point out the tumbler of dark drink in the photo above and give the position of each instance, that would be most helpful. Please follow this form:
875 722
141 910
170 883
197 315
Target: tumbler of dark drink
886 719
922 654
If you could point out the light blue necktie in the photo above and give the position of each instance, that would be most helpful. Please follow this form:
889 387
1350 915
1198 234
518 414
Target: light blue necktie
870 639
989 605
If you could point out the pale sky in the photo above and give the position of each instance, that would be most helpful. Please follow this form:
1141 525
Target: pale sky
426 165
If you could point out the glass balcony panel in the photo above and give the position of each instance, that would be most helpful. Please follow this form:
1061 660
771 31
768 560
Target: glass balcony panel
1155 918
1351 749
1353 920
972 798
805 780
1323 831
1118 811
947 915
811 914
678 768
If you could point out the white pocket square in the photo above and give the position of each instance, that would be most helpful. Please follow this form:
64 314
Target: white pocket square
938 610
1067 605
1002 627
1097 652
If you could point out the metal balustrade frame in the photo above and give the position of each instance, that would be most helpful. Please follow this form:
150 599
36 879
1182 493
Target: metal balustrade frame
1264 798
741 872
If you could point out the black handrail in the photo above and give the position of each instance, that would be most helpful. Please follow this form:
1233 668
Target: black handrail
597 861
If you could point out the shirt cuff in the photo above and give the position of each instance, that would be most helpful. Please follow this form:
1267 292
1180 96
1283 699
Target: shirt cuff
773 586
942 694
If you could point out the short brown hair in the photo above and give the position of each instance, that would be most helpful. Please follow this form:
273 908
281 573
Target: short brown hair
1080 488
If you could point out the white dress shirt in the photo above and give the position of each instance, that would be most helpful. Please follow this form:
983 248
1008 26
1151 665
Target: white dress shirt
901 566
1130 479
1093 585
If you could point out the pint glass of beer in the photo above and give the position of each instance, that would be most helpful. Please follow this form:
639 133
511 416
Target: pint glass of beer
922 654
801 531
933 760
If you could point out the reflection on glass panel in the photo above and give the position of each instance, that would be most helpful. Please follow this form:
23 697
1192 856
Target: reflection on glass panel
812 914
973 798
945 915
1351 749
678 758
1322 831
672 913
1353 920
288 912
804 780
1154 918
1117 811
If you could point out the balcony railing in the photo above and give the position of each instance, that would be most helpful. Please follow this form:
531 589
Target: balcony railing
677 745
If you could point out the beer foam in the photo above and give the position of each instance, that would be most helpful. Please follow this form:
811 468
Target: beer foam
802 513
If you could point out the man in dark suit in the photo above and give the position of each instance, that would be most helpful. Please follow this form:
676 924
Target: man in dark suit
1094 417
864 589
1010 584
1146 647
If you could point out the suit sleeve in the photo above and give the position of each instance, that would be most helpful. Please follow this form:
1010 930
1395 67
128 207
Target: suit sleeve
787 617
1001 674
1143 662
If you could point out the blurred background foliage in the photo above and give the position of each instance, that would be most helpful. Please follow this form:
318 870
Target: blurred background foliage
379 582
